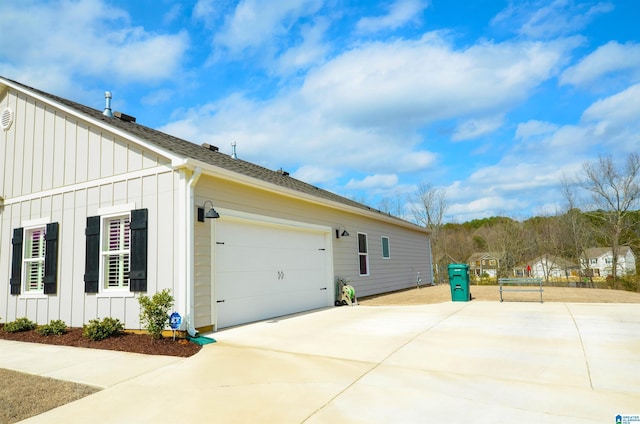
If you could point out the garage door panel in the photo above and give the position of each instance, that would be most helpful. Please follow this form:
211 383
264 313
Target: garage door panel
256 283
251 258
245 284
263 271
251 309
261 235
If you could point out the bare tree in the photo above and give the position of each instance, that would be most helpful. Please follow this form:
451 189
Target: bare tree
509 240
615 192
428 209
430 206
575 230
393 205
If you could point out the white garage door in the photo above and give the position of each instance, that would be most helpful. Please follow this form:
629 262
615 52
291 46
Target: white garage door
264 271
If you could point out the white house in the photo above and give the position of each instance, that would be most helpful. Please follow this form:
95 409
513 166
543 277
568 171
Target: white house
598 261
97 209
549 266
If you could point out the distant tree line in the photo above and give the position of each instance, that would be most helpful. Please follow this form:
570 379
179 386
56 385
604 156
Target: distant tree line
611 219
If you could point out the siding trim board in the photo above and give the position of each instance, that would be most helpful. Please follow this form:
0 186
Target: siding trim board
147 172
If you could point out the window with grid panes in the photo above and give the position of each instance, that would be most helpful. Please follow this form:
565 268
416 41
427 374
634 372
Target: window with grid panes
116 251
33 259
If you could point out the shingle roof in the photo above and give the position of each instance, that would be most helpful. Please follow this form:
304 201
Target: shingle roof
483 255
187 149
596 252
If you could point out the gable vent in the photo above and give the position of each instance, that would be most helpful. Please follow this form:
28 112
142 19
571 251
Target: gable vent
6 119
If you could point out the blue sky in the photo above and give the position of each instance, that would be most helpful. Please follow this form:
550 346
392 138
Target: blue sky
492 101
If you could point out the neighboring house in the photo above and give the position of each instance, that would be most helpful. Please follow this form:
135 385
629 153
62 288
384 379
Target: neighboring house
481 263
96 210
598 261
548 266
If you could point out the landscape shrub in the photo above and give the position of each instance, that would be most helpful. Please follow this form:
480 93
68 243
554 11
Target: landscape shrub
20 324
630 283
99 330
486 280
56 327
154 312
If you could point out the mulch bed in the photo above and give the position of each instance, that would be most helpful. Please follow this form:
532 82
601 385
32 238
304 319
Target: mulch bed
125 342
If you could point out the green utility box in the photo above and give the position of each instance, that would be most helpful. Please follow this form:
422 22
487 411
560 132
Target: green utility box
459 282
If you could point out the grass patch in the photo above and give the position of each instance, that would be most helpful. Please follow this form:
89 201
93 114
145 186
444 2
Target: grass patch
29 395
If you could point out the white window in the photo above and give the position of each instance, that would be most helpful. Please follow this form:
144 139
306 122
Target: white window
363 254
593 261
33 260
116 236
386 253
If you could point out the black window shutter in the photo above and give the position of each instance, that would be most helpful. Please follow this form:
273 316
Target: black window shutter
51 259
138 257
16 262
92 258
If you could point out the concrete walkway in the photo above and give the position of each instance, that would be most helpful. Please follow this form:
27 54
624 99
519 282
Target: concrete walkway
481 362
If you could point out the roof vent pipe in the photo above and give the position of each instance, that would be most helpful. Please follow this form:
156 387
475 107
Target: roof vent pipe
107 109
233 150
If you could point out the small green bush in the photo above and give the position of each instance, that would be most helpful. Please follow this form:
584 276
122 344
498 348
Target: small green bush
56 327
154 312
20 324
630 283
99 330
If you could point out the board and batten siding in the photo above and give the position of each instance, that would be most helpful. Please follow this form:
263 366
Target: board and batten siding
62 169
46 148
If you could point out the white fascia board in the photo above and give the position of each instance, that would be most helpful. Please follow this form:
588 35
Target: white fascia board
175 159
215 171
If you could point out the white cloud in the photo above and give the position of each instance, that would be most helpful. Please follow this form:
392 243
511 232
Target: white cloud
543 19
407 82
474 128
615 120
311 51
85 38
613 57
316 174
207 11
534 128
482 207
252 25
413 161
621 108
400 13
373 181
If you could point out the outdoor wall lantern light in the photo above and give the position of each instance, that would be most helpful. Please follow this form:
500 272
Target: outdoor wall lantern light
211 213
344 232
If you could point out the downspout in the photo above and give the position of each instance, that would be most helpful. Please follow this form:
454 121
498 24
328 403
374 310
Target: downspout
431 264
189 248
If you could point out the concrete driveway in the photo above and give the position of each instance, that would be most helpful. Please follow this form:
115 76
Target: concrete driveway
481 362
